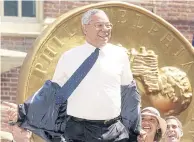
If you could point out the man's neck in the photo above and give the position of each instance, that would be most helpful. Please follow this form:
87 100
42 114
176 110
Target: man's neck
96 45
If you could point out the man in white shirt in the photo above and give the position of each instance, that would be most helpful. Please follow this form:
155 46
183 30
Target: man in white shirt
105 106
97 99
174 130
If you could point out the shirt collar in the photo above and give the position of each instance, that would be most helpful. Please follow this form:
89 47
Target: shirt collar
88 45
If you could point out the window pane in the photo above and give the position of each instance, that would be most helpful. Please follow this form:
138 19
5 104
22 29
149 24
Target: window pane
28 8
10 8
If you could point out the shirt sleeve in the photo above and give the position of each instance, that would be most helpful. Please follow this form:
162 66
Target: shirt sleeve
127 76
60 76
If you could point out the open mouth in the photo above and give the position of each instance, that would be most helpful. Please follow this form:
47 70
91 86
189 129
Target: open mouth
172 136
146 128
104 35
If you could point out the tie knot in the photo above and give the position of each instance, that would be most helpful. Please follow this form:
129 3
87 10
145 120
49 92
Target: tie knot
97 50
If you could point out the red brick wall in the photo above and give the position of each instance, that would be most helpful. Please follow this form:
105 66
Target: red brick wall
179 13
56 8
9 79
17 43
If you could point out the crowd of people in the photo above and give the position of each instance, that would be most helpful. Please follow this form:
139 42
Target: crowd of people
158 129
102 103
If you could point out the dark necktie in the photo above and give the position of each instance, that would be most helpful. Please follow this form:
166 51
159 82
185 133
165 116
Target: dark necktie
76 78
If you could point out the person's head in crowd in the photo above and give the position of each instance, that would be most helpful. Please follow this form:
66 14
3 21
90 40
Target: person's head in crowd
174 130
96 27
153 125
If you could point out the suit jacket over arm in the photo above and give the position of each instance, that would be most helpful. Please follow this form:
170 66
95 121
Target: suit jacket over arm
130 108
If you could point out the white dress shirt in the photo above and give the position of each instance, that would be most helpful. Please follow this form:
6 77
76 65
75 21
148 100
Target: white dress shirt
98 96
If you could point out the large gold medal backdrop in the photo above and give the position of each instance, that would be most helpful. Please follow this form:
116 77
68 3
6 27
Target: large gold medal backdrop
162 60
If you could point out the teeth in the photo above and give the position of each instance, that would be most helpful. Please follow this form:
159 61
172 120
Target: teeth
103 36
172 138
146 127
171 135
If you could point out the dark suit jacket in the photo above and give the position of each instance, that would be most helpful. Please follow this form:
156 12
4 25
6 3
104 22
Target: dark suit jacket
41 115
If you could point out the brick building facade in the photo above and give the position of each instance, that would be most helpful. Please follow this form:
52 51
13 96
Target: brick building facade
177 12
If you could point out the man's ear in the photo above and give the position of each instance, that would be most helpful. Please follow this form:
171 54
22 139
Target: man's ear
84 29
181 132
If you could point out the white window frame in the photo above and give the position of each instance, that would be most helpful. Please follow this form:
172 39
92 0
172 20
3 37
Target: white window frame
15 18
16 23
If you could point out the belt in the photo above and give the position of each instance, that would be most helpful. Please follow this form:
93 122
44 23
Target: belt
102 122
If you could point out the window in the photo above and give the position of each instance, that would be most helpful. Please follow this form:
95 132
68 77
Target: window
17 14
20 8
10 8
28 8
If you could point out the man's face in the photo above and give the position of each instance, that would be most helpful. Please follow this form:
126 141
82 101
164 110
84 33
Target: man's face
173 132
98 31
150 125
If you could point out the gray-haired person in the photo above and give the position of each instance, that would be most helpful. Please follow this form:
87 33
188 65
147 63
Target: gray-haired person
105 105
95 106
174 130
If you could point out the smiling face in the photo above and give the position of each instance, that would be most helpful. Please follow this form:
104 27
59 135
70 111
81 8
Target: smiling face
173 132
150 125
98 30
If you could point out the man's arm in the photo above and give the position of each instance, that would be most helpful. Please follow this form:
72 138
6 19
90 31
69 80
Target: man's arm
130 111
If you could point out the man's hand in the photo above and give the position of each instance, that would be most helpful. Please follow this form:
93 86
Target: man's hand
9 112
142 136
